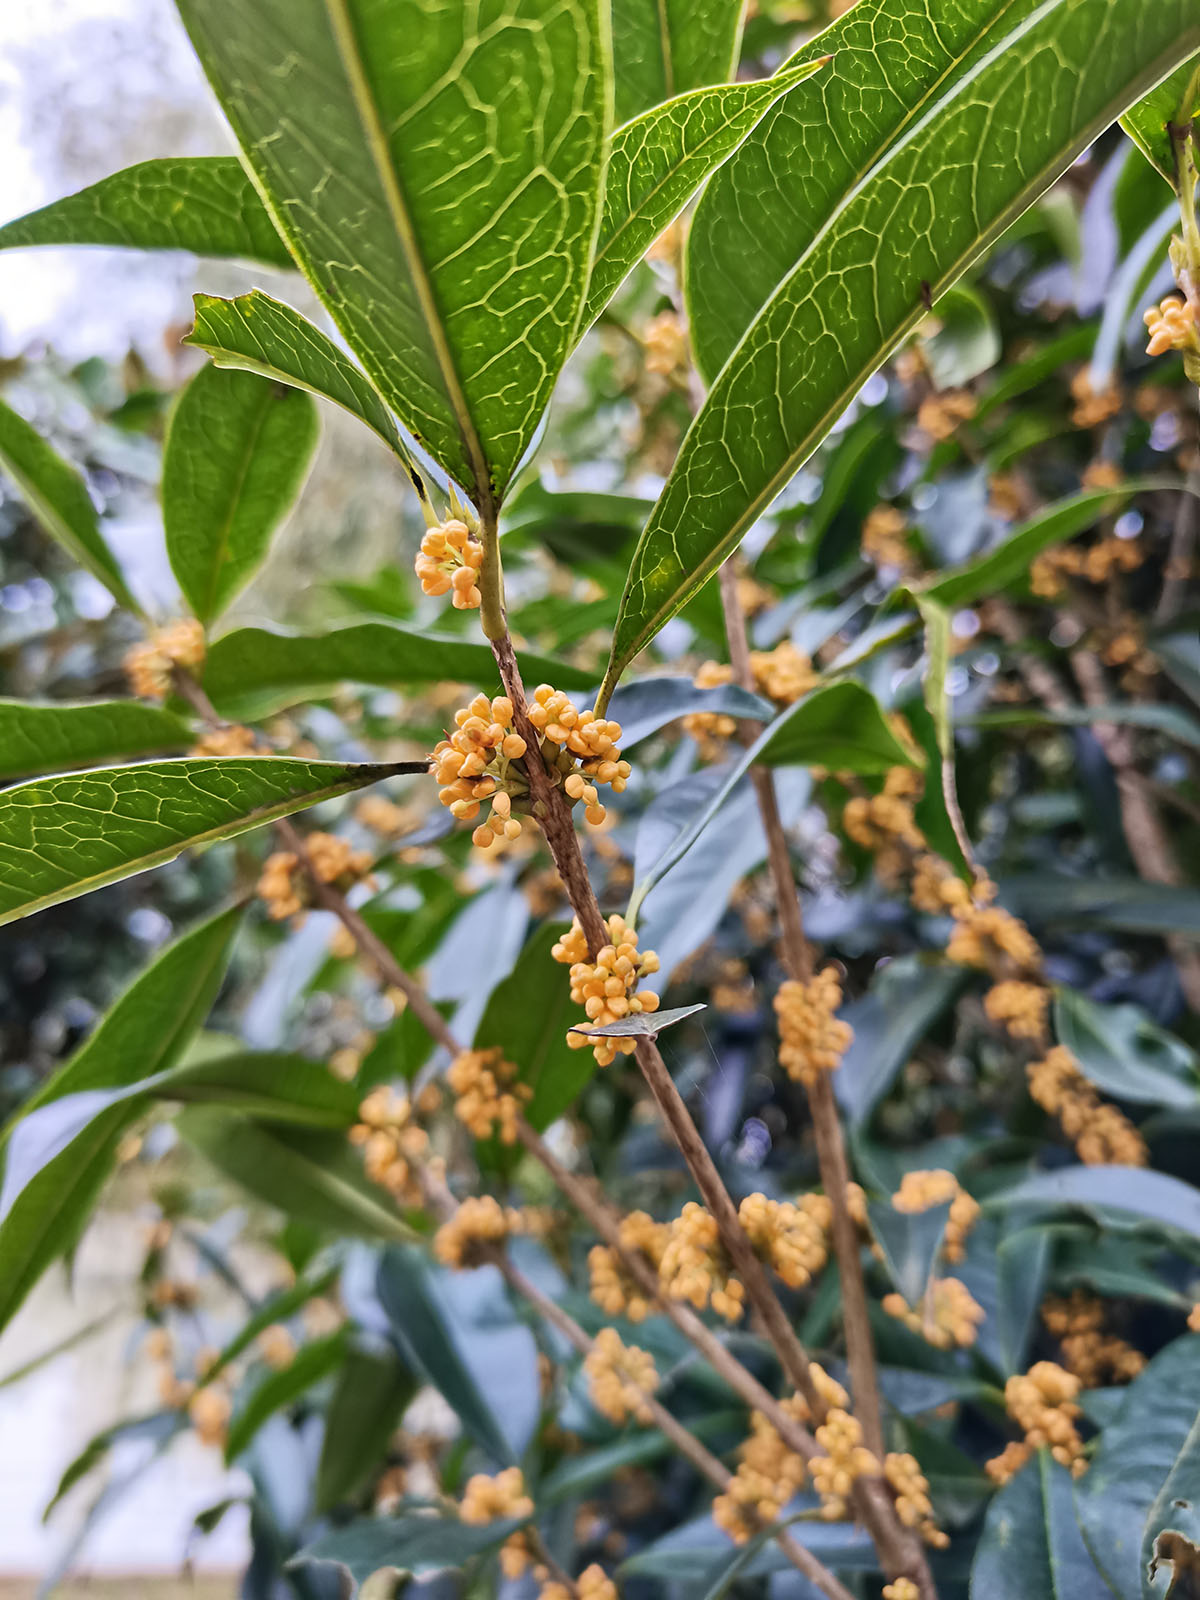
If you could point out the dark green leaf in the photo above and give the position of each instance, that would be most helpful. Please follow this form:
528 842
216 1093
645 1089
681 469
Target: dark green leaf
1174 1520
254 670
143 1032
662 48
578 1474
205 204
460 1333
422 1545
1175 100
905 999
62 836
311 1363
910 1242
1031 1547
258 334
967 340
838 725
1137 1452
688 1554
1022 1260
1110 1191
238 451
1127 904
646 1025
56 734
314 1176
659 160
1172 721
58 498
940 188
278 1308
1126 1054
373 1392
458 217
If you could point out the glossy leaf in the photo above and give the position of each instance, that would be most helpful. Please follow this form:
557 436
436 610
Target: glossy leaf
420 1545
373 1391
1172 1532
1109 1192
838 725
143 1032
58 498
484 1366
205 204
54 735
831 307
1031 1547
1175 99
265 336
313 1176
1125 1054
905 999
462 313
690 1554
253 670
1138 1450
646 1025
662 48
647 705
910 1242
1128 904
63 836
658 161
313 1362
237 453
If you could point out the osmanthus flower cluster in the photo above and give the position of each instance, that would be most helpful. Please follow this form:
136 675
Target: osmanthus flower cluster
1102 1135
482 761
391 1142
620 1378
783 675
449 561
607 988
1089 1353
949 1314
284 885
920 1191
504 1498
150 666
612 1287
487 1100
1042 1402
792 1238
812 1039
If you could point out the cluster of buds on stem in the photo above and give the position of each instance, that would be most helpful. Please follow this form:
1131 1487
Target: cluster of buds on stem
695 1265
1103 1136
1172 326
487 1499
606 988
1089 1354
811 1038
920 1191
391 1141
1042 1402
285 888
984 935
620 1378
487 1099
149 666
449 560
948 1315
480 1226
612 1287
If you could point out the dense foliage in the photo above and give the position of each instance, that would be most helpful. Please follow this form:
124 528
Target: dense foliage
855 805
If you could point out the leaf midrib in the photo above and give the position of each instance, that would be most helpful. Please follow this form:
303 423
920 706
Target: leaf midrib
1016 206
342 28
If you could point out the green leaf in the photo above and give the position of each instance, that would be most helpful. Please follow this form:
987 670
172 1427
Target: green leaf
1127 904
253 670
967 341
450 238
658 161
373 1392
1176 99
1110 1194
1138 1449
278 1308
420 1545
478 1365
905 999
527 1017
662 48
838 725
143 1032
58 498
1174 1521
645 706
51 735
258 334
62 836
205 204
314 1176
237 453
1170 720
833 309
1031 1548
1126 1054
910 1242
312 1362
1010 560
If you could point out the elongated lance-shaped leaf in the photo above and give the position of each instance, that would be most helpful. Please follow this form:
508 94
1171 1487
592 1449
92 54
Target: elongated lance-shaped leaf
205 204
436 171
143 1032
939 195
252 670
1031 1547
238 451
659 160
662 48
838 725
54 735
58 498
62 836
265 336
1175 100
